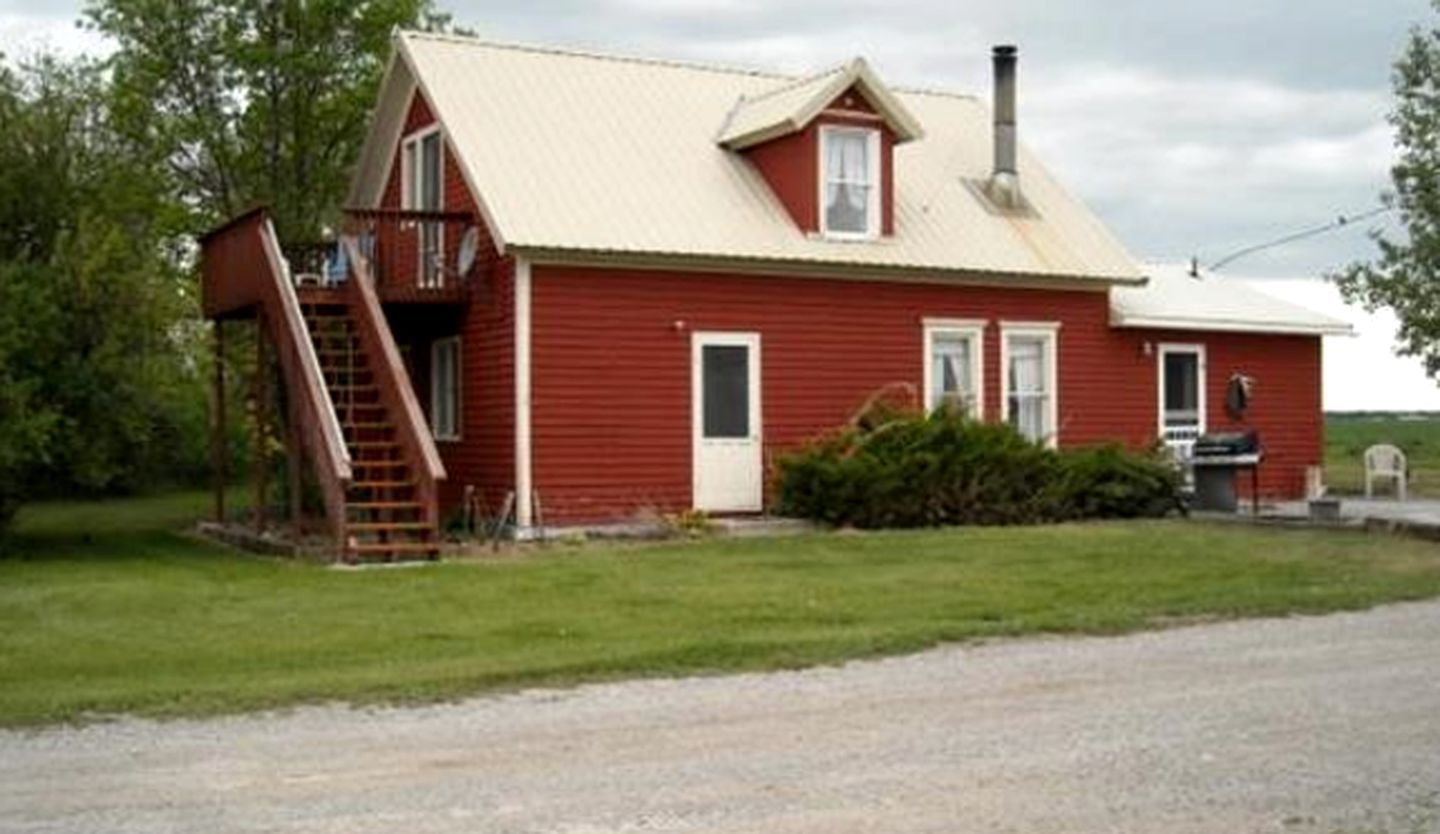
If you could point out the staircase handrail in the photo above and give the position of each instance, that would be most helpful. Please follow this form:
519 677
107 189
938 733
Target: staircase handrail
232 283
391 377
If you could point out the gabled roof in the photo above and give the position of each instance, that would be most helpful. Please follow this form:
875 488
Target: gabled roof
597 157
1175 299
790 106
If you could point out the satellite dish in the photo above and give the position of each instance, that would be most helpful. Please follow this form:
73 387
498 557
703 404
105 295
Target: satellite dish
469 250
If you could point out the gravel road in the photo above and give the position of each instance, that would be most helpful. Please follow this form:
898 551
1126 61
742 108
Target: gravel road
1319 724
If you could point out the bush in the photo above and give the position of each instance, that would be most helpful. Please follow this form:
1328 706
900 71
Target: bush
907 469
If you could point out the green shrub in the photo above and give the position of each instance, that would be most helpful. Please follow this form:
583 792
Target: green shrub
907 469
1110 482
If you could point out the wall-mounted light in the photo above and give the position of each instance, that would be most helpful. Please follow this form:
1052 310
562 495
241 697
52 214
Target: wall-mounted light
679 326
1147 348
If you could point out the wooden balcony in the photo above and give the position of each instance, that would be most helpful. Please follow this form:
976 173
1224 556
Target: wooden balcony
416 257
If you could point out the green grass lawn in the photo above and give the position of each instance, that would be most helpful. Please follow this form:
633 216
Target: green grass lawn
104 610
1348 436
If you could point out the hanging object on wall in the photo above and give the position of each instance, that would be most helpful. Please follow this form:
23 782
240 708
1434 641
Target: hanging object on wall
1238 392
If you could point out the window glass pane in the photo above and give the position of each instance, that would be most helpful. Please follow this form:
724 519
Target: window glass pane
847 182
430 177
412 170
1028 379
1027 364
726 383
950 370
1182 388
445 388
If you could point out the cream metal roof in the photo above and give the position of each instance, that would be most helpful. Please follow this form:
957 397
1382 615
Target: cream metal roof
1175 299
592 156
791 105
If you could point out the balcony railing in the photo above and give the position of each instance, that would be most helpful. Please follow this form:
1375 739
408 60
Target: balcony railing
416 253
410 255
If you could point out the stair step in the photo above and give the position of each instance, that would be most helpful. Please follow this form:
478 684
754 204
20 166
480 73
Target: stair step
386 426
384 505
380 484
375 444
387 526
431 548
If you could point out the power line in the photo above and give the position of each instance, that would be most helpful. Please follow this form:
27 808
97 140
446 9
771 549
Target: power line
1339 222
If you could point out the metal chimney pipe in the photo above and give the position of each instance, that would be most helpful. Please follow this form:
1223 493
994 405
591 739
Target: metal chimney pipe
1005 180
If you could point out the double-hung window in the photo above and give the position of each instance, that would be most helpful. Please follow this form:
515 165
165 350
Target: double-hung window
445 388
1028 378
421 182
849 182
954 357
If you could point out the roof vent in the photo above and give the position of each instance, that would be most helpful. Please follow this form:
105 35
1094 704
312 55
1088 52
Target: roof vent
1005 180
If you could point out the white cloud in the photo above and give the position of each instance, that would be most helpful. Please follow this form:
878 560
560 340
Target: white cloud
23 35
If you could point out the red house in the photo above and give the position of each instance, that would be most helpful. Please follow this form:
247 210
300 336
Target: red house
602 284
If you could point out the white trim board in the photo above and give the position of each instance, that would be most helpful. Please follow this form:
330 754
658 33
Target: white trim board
524 486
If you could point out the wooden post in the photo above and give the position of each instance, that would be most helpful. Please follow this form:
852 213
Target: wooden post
262 415
218 434
294 466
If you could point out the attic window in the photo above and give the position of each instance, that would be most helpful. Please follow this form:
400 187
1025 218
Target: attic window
849 182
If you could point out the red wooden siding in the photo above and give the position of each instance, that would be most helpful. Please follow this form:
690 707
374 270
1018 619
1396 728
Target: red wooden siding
611 423
791 165
484 456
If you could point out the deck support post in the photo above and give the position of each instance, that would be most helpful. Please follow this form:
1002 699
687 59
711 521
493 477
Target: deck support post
294 463
262 416
218 428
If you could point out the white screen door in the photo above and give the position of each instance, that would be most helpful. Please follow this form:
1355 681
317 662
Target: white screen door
725 371
1182 396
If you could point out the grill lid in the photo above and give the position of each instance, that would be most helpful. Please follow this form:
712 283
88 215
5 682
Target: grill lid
1227 443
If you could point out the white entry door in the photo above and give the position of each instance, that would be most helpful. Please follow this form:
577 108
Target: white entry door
725 403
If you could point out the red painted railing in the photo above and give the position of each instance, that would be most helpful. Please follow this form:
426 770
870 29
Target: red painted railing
396 390
413 254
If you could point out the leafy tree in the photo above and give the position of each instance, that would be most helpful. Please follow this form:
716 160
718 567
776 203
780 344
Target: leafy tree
254 101
1405 275
99 388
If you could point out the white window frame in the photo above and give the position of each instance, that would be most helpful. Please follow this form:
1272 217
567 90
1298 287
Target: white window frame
872 155
1161 350
409 200
972 330
1050 333
436 387
410 150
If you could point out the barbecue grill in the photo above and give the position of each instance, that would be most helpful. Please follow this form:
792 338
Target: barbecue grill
1216 458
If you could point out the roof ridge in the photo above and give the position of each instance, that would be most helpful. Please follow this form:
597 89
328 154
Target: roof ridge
795 83
792 80
579 52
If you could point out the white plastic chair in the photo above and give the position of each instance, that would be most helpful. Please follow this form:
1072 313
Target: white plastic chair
1385 461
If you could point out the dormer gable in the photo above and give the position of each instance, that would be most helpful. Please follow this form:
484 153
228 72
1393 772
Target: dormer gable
791 107
825 145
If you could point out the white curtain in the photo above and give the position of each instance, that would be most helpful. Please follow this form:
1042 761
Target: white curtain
1028 394
950 371
847 185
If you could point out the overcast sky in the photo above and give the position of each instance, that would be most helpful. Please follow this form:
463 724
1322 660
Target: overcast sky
1191 128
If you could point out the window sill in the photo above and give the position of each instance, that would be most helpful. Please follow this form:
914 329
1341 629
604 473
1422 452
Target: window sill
847 237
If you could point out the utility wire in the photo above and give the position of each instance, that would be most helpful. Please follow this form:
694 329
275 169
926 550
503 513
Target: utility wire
1339 222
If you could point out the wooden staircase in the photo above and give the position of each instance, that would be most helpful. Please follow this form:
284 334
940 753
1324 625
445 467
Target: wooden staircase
385 516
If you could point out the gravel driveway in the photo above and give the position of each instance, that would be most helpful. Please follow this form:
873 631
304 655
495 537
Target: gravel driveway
1322 724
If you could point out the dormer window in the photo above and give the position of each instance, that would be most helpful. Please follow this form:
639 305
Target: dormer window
849 182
